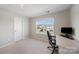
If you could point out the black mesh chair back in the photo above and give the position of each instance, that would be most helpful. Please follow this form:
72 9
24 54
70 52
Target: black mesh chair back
52 42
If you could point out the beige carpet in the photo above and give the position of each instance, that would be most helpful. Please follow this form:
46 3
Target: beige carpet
28 46
32 46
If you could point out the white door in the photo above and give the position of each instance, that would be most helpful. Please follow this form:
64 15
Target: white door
18 28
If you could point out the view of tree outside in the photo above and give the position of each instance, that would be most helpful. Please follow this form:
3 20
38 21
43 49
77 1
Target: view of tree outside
42 25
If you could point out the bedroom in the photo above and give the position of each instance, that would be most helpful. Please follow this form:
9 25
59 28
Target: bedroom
19 32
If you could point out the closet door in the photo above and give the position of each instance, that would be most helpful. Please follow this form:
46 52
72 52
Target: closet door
18 28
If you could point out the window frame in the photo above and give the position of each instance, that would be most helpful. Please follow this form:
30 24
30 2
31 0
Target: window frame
43 19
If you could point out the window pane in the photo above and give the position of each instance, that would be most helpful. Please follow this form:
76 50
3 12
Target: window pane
48 21
42 25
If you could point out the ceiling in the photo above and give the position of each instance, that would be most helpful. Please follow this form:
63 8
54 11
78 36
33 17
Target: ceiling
31 10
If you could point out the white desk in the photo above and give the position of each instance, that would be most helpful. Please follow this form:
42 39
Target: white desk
67 46
66 43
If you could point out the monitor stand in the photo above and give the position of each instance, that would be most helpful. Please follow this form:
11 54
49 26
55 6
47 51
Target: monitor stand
68 36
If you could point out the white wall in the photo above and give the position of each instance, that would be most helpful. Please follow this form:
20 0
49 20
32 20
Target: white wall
7 27
61 19
25 28
75 20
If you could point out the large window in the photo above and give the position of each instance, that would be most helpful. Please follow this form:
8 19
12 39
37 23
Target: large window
44 24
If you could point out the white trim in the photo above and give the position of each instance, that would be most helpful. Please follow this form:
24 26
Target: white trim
7 44
11 43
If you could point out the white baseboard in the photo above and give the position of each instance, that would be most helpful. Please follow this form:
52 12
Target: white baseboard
7 44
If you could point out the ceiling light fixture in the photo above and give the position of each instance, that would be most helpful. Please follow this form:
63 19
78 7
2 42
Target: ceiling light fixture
21 6
48 11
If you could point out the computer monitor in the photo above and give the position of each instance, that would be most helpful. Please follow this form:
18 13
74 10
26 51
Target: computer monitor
67 30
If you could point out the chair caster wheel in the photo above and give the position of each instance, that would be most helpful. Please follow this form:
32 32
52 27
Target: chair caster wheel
47 47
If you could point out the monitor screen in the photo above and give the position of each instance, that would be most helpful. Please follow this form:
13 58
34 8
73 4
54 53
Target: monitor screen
66 30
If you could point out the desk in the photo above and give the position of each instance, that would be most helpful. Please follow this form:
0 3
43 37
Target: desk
67 43
67 46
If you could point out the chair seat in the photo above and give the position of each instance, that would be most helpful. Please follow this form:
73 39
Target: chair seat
55 46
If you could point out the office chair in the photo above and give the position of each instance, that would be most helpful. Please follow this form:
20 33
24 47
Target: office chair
52 42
